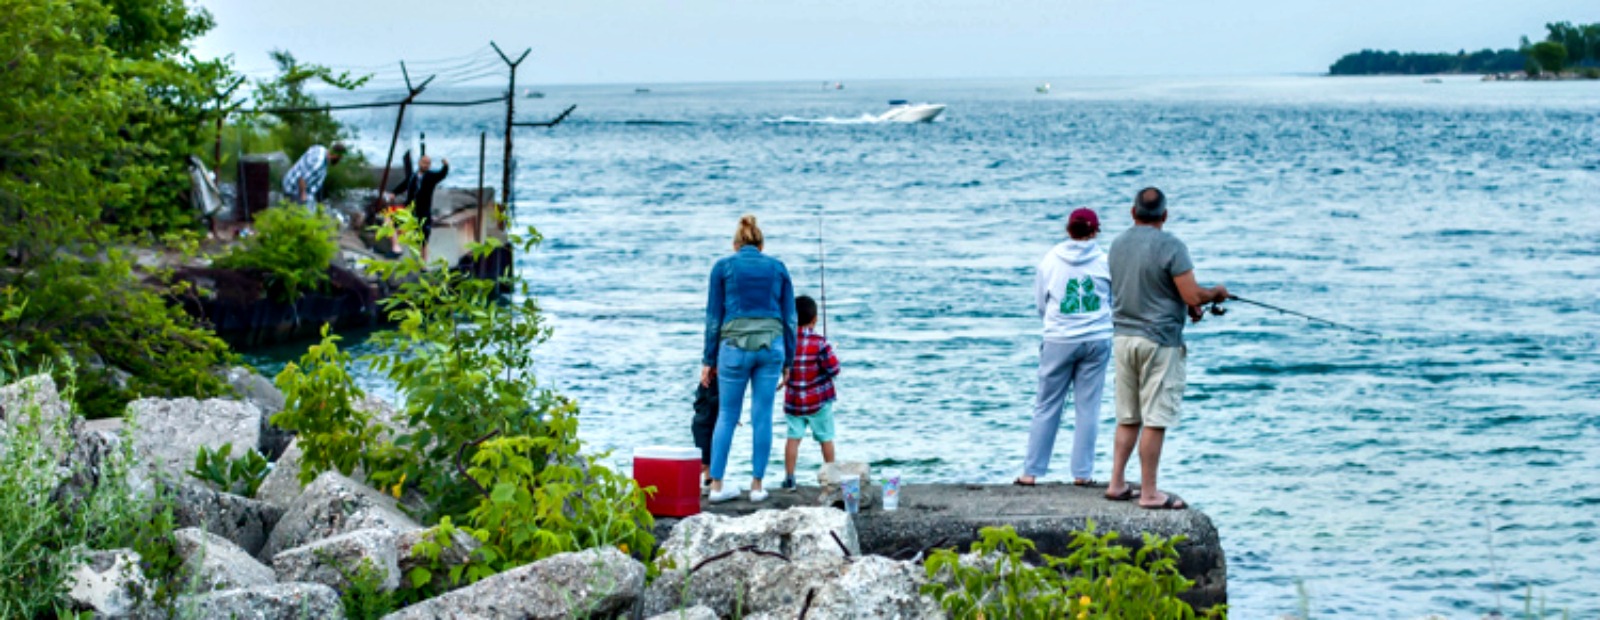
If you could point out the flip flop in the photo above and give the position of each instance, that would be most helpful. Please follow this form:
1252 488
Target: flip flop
1089 482
1020 483
1125 495
1173 503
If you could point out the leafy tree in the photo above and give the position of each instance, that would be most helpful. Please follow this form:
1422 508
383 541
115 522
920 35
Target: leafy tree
1551 56
1572 40
71 153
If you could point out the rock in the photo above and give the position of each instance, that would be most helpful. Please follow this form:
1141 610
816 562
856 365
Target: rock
796 533
383 414
457 553
282 483
594 583
876 587
108 583
726 586
169 433
211 562
244 521
333 561
698 612
32 395
96 457
830 474
332 505
282 601
257 390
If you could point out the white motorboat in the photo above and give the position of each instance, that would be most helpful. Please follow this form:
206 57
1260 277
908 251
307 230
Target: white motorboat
901 111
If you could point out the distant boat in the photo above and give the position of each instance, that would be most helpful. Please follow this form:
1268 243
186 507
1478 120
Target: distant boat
532 94
833 86
901 111
1043 89
641 91
1433 81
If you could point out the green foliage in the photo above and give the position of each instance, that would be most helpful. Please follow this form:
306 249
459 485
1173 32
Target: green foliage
463 360
1099 579
364 597
317 393
1551 56
44 534
1581 42
84 142
292 248
1375 62
239 476
567 503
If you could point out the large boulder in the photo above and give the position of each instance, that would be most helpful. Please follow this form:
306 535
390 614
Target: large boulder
257 390
169 433
740 583
282 484
334 561
594 583
211 562
332 505
876 587
108 583
282 601
35 395
244 521
796 533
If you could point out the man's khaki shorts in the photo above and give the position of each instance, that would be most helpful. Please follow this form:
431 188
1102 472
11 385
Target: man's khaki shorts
1150 381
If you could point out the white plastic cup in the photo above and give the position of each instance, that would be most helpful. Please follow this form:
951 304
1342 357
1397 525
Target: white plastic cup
851 489
891 489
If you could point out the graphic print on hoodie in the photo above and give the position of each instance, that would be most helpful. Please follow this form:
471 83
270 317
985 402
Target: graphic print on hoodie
1073 292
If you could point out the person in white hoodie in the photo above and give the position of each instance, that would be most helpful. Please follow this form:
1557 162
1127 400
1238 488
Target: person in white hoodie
1073 293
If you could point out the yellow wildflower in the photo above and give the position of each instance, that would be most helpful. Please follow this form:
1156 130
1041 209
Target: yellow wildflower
397 486
1083 614
623 547
1084 601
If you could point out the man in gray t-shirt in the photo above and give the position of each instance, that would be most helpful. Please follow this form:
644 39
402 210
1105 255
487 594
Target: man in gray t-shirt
1152 289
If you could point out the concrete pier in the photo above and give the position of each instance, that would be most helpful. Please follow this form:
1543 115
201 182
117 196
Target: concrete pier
950 516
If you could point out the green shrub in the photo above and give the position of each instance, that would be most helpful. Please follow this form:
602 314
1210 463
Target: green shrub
1098 579
43 534
363 596
462 359
239 476
317 396
292 248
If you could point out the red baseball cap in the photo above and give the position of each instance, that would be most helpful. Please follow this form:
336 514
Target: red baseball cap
1084 219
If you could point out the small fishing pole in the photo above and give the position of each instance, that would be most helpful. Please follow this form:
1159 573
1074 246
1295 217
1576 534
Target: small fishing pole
1217 309
822 263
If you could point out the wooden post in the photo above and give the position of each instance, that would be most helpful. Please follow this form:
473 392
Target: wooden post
511 98
483 145
383 183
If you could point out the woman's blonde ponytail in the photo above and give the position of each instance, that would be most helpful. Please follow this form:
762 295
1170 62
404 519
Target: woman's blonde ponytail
748 233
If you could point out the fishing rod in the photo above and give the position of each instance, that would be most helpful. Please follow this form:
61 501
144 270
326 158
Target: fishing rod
822 264
1217 309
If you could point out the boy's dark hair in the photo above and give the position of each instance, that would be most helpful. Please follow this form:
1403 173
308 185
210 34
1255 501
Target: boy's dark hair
805 309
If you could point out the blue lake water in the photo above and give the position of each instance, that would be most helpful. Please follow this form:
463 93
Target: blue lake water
1444 468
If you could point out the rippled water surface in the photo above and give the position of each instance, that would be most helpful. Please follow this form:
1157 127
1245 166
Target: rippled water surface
1443 468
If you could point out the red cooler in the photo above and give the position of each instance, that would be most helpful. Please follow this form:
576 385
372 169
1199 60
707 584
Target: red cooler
675 473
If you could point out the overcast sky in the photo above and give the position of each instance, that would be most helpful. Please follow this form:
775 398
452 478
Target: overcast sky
586 41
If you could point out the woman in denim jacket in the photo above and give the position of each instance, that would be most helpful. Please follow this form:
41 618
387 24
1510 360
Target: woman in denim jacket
750 340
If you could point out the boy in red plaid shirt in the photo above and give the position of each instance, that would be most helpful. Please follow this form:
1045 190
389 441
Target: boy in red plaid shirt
808 395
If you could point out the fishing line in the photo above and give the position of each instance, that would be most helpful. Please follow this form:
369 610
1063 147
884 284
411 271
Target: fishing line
822 268
1218 310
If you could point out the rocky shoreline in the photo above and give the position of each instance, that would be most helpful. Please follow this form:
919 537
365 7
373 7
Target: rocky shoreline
290 551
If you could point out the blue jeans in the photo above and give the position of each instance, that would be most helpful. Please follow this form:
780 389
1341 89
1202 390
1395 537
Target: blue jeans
1081 369
737 368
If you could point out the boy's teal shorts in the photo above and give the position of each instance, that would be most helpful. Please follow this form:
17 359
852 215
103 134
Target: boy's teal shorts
821 424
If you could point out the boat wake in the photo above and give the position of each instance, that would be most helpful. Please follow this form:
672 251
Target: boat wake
864 119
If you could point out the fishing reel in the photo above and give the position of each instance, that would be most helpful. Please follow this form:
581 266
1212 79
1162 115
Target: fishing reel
1199 312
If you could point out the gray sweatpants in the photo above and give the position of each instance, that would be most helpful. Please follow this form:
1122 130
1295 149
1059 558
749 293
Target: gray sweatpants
1080 368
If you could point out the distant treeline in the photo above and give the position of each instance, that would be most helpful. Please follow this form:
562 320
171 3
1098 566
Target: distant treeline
1374 62
1564 47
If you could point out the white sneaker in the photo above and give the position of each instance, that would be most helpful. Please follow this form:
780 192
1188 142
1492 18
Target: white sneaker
758 495
725 495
